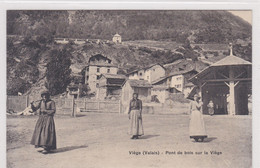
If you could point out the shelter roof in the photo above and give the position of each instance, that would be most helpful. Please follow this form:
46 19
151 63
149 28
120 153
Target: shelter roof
231 60
227 61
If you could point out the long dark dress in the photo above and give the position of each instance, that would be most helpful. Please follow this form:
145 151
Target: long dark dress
44 134
136 122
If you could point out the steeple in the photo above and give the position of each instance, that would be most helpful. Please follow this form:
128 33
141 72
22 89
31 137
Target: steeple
231 49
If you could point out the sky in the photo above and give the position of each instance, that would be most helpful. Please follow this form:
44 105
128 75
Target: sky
246 15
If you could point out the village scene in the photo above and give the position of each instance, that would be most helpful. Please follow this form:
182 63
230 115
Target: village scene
92 81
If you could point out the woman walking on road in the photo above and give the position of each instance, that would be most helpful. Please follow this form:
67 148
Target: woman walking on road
135 116
197 127
44 135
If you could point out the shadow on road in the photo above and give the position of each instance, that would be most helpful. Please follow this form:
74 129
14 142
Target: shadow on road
80 115
148 136
68 148
209 139
206 140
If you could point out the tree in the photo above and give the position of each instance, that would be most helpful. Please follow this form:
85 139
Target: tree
58 71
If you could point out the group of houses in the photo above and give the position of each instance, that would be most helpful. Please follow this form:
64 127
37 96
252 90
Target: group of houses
101 76
227 83
117 39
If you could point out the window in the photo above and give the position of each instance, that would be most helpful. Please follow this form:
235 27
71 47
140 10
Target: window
178 86
98 69
87 78
97 84
140 74
108 70
147 77
98 77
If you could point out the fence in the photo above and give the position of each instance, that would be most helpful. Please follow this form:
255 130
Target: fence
68 105
109 106
17 103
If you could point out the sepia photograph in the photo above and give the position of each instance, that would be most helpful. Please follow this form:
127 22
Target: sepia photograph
128 88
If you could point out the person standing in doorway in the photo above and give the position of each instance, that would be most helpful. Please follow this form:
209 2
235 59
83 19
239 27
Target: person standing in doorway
135 116
44 135
197 127
211 108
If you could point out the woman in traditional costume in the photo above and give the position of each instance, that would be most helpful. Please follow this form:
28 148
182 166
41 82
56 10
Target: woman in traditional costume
197 127
44 135
135 116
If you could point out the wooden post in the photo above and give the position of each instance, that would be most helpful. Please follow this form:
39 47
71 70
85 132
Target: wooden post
98 106
201 95
85 104
232 103
73 107
119 106
27 101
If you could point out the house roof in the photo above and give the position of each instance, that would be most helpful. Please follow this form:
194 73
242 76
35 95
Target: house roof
159 80
73 85
174 74
181 72
117 35
139 83
114 76
175 62
76 74
145 68
174 89
189 84
213 47
102 64
158 87
116 80
100 56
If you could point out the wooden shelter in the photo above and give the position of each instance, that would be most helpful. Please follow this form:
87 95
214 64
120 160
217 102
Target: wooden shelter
228 83
110 85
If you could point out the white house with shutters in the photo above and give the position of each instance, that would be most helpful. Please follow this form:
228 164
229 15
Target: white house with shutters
150 73
98 65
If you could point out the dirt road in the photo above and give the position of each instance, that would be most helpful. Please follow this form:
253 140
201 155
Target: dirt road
98 140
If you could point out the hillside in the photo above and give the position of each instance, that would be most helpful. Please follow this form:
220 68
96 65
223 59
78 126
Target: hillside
205 26
171 37
27 59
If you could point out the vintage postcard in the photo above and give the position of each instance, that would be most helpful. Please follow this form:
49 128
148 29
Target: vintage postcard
153 88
